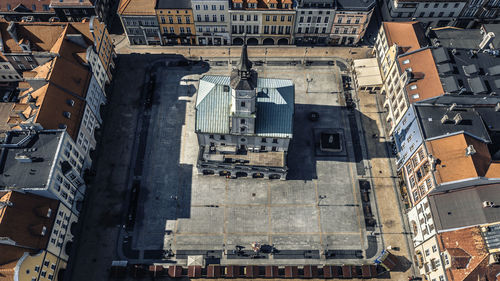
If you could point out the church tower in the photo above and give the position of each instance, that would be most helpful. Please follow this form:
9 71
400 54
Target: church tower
243 100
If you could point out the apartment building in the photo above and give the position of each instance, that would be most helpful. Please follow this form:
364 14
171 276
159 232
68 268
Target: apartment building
101 53
265 22
350 21
73 10
433 140
140 22
28 10
212 23
430 13
26 154
313 22
176 22
455 232
31 221
478 11
394 39
7 71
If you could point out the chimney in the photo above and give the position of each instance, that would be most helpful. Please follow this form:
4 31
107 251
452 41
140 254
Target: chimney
445 119
488 204
11 29
487 40
22 158
457 118
470 150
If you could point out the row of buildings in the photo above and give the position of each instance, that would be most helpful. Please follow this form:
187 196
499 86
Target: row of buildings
223 22
441 93
47 135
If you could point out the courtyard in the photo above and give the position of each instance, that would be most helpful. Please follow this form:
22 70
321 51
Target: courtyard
317 214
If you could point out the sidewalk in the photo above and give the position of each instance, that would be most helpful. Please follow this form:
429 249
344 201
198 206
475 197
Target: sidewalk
395 232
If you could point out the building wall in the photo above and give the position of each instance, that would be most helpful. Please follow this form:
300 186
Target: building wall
177 26
429 260
251 142
418 175
69 13
86 140
434 14
313 25
103 45
42 266
212 25
98 70
8 73
61 234
278 25
141 30
421 222
348 27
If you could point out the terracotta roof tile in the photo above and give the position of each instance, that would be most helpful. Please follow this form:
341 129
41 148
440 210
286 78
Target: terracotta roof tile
24 220
409 35
470 241
137 7
453 163
41 36
422 64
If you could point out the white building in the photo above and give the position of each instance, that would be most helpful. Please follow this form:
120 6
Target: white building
47 163
91 119
313 22
211 19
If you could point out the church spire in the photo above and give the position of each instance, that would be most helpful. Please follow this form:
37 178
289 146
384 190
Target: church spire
245 65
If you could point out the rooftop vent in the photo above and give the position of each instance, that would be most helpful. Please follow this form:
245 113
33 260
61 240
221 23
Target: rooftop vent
23 158
457 118
470 150
488 204
452 107
445 119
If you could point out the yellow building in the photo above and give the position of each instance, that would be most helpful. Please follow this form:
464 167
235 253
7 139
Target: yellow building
176 22
41 266
278 26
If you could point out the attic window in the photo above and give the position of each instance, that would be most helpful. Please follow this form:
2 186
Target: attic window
415 96
413 87
67 114
406 61
226 88
49 213
70 102
44 230
62 126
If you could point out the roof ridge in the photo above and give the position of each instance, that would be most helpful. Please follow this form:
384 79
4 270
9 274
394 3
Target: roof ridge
121 8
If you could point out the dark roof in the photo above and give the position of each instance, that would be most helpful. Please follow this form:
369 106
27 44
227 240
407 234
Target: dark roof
173 4
355 4
432 127
464 207
456 38
472 100
467 72
41 147
243 77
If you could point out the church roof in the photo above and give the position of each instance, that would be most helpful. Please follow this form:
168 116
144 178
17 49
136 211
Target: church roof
275 106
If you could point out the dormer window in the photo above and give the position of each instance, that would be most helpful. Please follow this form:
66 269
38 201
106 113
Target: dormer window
67 114
49 213
271 5
237 5
252 5
286 6
44 231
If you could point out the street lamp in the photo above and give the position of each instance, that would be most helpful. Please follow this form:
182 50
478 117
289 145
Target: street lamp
321 197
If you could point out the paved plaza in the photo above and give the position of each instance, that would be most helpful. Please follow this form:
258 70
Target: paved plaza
315 215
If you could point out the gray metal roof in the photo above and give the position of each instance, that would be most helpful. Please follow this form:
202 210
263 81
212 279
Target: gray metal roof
464 207
275 106
42 146
432 127
173 4
491 236
463 100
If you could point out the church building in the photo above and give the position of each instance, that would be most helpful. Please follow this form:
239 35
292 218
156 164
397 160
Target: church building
244 123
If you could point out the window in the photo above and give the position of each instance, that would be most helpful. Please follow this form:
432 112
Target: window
188 20
441 278
188 30
264 140
198 17
181 30
242 104
255 17
422 14
242 121
339 20
37 268
456 5
275 140
268 18
28 58
431 14
211 137
434 248
406 61
427 252
197 7
172 30
451 14
170 20
308 19
179 20
221 7
222 18
415 96
214 7
326 20
413 87
357 21
274 148
205 7
282 18
67 114
289 18
440 14
301 19
263 148
426 5
44 273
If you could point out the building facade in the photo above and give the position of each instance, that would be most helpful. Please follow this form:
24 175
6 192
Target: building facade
176 22
73 10
313 22
263 22
140 22
27 10
211 20
350 21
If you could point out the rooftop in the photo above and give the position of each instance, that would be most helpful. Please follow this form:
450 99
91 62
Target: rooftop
467 72
452 161
72 3
136 7
408 35
365 5
275 106
464 207
431 122
367 72
173 4
36 6
453 37
27 162
421 87
467 253
27 219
